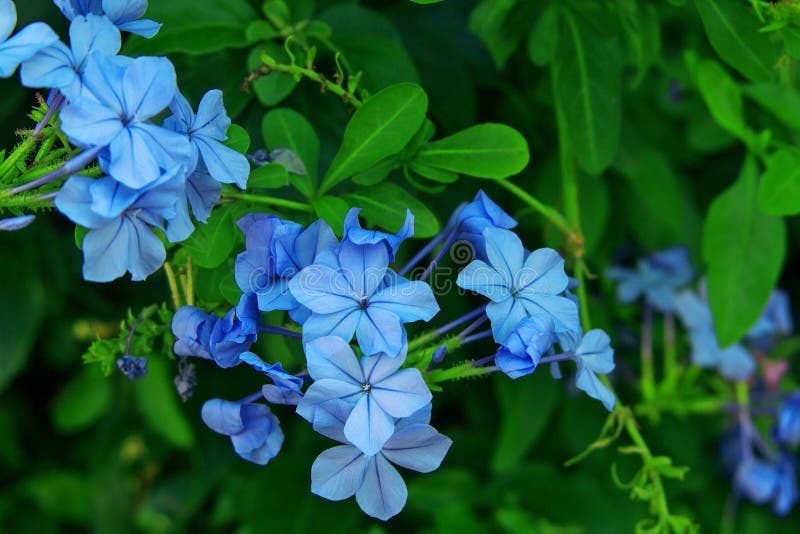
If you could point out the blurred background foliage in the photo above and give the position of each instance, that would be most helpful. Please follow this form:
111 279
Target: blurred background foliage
81 451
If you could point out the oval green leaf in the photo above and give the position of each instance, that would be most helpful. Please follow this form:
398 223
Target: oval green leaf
286 128
779 191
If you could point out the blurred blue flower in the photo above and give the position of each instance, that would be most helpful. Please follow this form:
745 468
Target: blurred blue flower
124 98
341 472
470 220
255 432
12 224
354 233
787 424
655 277
205 131
520 353
123 13
120 223
375 388
275 251
285 387
132 366
519 287
734 362
204 335
594 356
352 291
774 482
61 67
775 320
27 42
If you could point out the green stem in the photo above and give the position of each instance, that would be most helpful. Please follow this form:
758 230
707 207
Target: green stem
660 498
551 214
273 201
19 153
462 370
297 71
648 373
670 354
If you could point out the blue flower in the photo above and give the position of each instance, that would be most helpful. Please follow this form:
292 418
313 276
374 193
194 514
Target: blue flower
352 291
355 234
61 67
519 287
775 320
341 472
123 13
120 222
764 482
470 220
735 362
205 131
285 387
202 194
132 366
594 356
27 42
787 424
375 388
276 250
12 224
520 353
255 432
204 335
124 98
655 277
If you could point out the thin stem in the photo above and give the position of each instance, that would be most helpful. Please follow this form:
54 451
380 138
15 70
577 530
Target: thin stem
549 213
564 356
476 337
271 65
424 252
269 329
55 104
147 312
70 167
173 285
438 257
262 199
472 327
483 361
251 398
648 375
461 320
670 354
17 154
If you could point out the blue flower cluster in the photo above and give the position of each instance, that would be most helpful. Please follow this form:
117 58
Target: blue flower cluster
364 385
153 173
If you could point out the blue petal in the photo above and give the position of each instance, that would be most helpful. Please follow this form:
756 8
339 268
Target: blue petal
368 427
276 296
482 278
224 164
262 437
736 363
563 311
417 447
542 274
379 331
50 67
93 33
313 240
363 267
75 200
402 394
331 357
103 77
378 367
705 349
330 418
212 120
325 390
359 236
8 18
148 87
110 198
786 492
505 316
338 473
89 124
222 416
410 301
124 10
13 224
342 324
27 42
145 27
323 290
124 244
588 382
383 493
757 480
420 417
505 252
203 192
595 352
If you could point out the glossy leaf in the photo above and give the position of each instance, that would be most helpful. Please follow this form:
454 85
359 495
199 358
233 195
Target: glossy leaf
210 243
543 39
286 128
779 189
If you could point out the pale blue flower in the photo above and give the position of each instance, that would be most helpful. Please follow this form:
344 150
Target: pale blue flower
27 42
470 220
520 353
125 14
594 356
360 236
254 431
655 277
285 387
518 286
787 424
204 335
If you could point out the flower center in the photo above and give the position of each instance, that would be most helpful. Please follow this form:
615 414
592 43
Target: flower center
366 387
363 304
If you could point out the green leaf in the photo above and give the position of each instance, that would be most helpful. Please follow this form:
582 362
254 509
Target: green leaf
377 173
502 25
238 139
587 80
543 39
274 87
779 190
286 128
732 28
269 176
385 205
744 250
332 210
61 493
783 103
722 96
484 151
192 29
210 243
158 403
381 127
525 405
84 400
433 173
